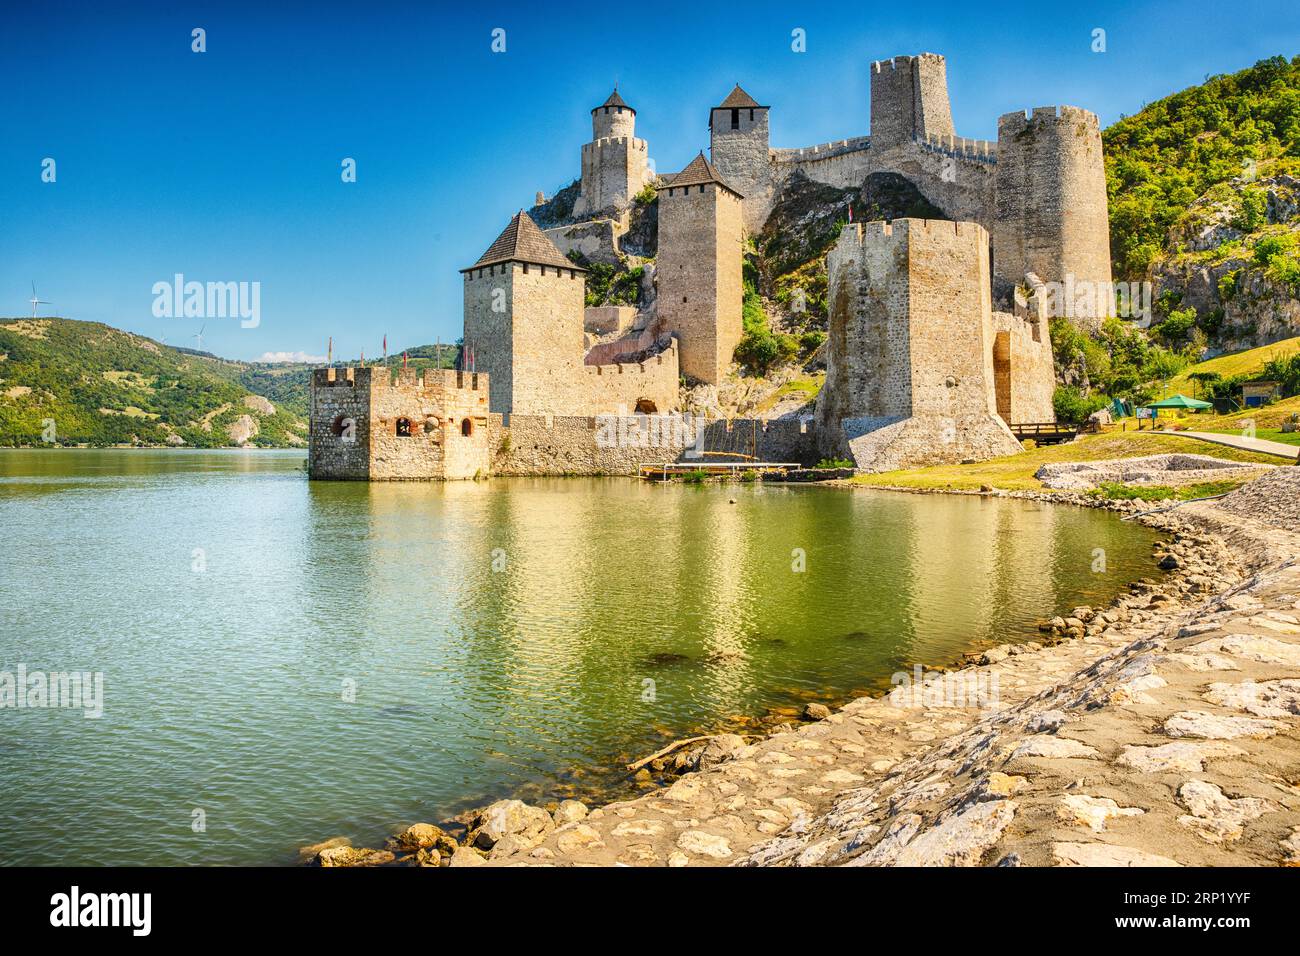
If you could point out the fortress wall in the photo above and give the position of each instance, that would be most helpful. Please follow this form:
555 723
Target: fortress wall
612 122
1024 373
845 168
609 445
961 186
609 389
1051 211
596 239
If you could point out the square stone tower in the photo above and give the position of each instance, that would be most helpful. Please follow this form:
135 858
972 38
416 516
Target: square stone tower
523 321
909 372
740 148
367 425
615 164
699 268
909 100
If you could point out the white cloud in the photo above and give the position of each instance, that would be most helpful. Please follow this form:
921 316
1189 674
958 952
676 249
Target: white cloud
292 357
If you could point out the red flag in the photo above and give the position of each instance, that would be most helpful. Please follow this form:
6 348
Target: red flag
329 352
850 212
403 360
385 349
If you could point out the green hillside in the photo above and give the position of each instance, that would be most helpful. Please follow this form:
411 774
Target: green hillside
1164 158
100 386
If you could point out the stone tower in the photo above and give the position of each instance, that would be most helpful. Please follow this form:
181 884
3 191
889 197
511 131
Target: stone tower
523 320
909 99
381 424
909 372
739 148
1051 216
615 164
698 269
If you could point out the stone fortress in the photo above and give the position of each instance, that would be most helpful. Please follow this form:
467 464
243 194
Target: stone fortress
938 336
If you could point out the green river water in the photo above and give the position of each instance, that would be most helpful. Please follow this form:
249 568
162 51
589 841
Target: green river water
289 661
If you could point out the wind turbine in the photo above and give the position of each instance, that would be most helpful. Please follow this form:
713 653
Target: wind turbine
35 301
198 336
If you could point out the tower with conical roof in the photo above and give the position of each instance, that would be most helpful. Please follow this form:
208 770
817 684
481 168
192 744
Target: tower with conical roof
615 164
698 270
739 149
523 320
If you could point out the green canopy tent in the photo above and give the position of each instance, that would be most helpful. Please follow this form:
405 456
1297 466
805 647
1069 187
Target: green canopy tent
1174 401
1180 401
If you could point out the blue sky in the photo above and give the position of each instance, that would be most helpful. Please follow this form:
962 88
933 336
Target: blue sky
225 165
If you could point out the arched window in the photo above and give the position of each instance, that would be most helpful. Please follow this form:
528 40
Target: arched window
403 428
466 427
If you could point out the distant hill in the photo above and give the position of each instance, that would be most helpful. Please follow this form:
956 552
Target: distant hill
103 386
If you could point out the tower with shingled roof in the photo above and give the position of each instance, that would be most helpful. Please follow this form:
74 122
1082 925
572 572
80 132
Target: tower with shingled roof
739 149
523 319
698 271
615 164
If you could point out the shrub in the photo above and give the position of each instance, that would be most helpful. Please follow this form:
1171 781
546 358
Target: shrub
1072 406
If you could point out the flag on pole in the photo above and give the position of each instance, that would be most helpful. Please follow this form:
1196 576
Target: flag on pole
850 212
385 349
329 352
403 360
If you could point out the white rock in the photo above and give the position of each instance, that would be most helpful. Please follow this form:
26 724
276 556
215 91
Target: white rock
1092 812
1103 854
1173 757
705 844
1271 698
1217 818
1044 745
1214 727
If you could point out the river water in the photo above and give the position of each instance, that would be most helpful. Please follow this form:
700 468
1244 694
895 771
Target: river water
284 661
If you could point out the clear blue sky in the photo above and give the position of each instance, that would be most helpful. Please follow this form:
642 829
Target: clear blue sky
225 165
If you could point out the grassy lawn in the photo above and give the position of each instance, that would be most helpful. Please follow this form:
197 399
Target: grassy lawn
1235 363
1268 418
1016 472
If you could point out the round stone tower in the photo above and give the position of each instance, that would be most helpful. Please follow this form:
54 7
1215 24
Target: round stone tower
613 118
1051 217
615 164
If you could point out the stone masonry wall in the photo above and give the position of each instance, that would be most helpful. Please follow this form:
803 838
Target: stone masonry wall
1023 369
614 169
524 325
338 444
609 445
909 98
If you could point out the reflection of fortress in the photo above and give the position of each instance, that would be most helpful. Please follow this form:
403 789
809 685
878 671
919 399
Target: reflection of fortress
938 332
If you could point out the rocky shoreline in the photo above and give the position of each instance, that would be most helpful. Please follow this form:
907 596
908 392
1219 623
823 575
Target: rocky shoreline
1159 730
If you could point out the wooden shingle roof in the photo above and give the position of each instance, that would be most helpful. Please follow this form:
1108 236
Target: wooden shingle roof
739 99
615 100
698 172
523 241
